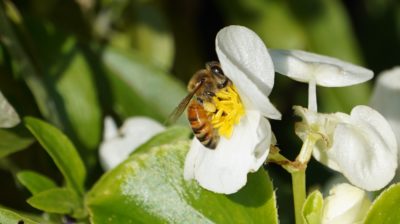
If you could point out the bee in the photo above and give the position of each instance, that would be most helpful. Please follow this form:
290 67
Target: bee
202 88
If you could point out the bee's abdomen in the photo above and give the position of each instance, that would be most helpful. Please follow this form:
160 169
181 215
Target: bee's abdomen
201 125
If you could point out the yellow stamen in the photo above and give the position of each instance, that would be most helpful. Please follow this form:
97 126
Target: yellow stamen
209 107
229 110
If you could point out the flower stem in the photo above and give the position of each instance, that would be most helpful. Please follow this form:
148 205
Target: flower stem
297 169
299 175
312 96
299 193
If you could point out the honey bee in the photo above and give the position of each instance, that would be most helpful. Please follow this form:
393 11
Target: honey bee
202 88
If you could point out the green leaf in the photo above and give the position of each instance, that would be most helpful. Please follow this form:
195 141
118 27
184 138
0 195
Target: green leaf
267 18
35 182
61 150
7 216
171 135
313 207
149 35
24 67
149 188
139 88
385 208
8 117
75 86
70 80
59 77
14 139
58 200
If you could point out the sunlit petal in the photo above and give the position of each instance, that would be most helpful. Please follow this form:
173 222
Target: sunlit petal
224 170
245 60
326 71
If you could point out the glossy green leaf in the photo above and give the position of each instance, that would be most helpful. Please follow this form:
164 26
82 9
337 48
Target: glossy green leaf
35 182
58 200
8 117
7 216
146 89
149 188
312 208
385 208
171 135
14 139
61 150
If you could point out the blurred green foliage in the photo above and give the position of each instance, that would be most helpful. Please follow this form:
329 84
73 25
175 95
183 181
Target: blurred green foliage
73 62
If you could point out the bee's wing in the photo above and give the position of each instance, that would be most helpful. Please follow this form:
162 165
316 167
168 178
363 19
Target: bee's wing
182 105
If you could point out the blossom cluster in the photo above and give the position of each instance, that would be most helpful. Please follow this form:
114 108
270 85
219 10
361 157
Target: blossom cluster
361 145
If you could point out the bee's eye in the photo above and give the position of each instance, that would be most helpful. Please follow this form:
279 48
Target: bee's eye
216 70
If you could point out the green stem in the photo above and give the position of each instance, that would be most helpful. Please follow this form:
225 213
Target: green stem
299 193
298 171
299 175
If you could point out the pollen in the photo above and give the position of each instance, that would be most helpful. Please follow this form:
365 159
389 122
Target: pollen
229 110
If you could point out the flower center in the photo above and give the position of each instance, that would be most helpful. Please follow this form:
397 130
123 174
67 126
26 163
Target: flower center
227 111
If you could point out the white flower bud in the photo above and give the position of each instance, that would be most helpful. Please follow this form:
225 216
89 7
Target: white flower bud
345 204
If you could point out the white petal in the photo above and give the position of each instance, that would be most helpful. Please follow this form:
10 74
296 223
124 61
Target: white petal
245 60
134 132
141 128
345 205
110 128
225 169
386 99
364 150
8 117
377 123
327 71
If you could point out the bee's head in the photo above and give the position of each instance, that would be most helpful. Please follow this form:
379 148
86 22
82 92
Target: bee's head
215 68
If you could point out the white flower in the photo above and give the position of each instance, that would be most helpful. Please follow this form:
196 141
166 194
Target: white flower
246 62
317 70
386 99
118 144
361 146
345 204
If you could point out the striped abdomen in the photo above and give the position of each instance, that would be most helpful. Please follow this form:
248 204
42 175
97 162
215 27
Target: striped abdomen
201 125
